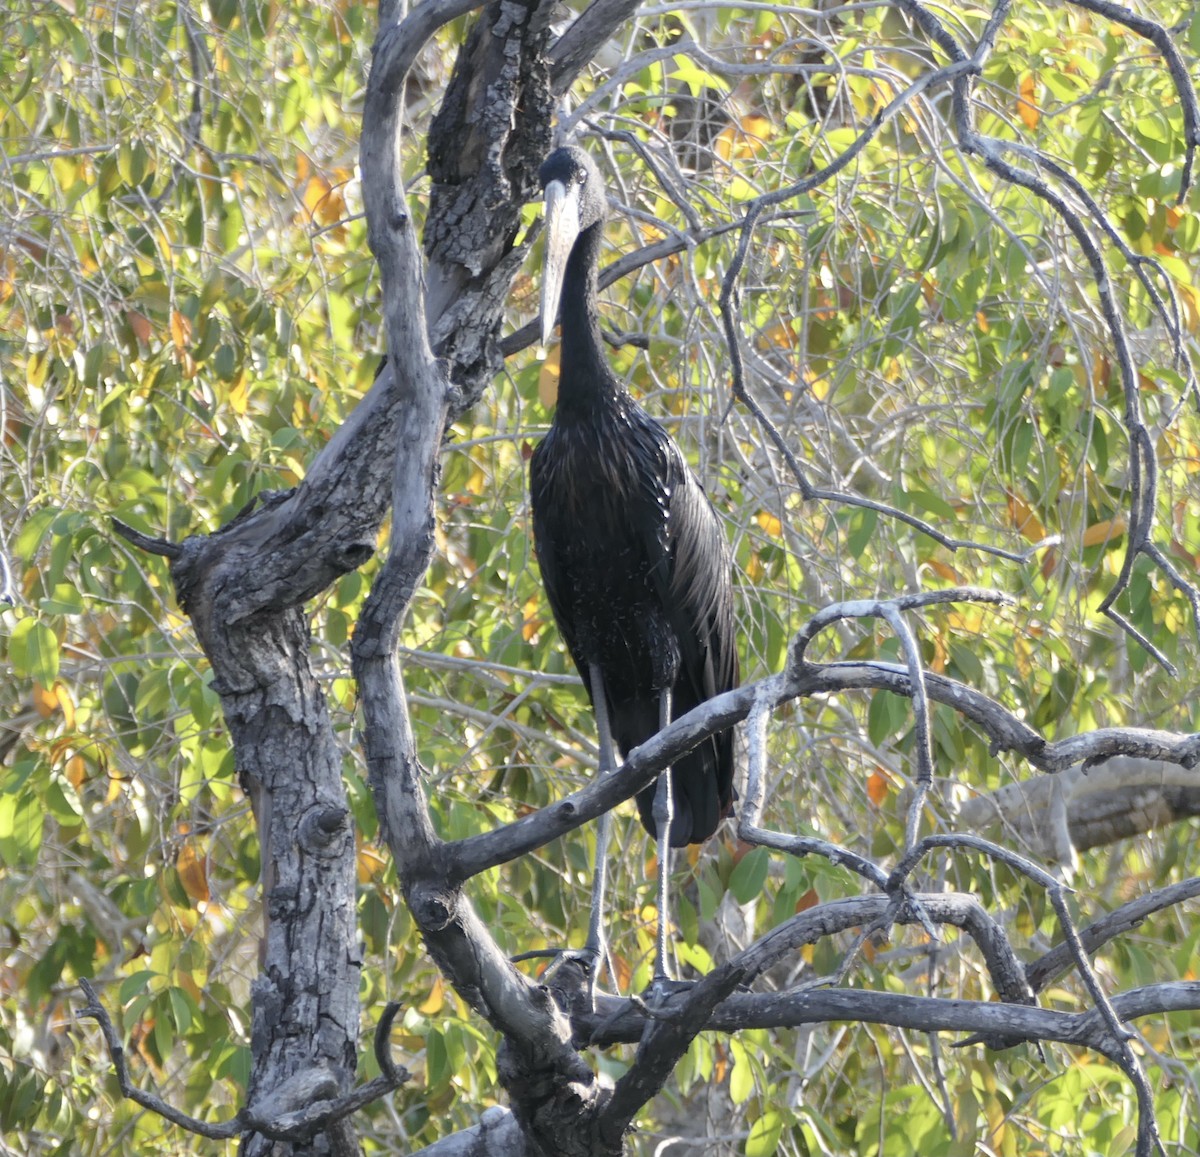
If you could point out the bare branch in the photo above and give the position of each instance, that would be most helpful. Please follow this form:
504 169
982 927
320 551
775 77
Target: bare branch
1054 963
150 545
116 1051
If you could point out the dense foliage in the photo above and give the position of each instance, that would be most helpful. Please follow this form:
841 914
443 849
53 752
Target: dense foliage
189 311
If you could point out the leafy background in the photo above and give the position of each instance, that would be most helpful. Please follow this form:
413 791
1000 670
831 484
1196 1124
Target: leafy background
189 311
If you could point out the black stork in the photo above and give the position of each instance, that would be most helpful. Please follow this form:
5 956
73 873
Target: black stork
636 568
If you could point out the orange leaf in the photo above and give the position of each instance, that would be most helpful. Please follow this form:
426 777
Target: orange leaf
810 899
945 571
76 771
45 701
720 1063
877 787
181 330
1028 524
193 872
140 324
1027 108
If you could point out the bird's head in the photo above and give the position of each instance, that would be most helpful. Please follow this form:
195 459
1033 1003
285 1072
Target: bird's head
574 197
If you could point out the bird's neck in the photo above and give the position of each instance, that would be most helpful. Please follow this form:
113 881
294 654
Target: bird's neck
586 380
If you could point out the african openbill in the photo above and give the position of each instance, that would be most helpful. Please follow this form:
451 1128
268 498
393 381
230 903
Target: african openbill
635 565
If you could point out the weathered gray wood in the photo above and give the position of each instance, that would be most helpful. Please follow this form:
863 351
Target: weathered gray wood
305 1000
1076 810
555 1094
485 147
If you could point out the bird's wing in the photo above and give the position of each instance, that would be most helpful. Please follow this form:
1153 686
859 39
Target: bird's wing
693 580
554 581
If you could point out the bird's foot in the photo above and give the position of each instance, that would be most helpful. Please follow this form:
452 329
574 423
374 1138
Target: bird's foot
572 968
662 988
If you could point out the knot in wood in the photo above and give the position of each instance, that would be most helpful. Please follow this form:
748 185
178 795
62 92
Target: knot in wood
433 907
352 555
322 829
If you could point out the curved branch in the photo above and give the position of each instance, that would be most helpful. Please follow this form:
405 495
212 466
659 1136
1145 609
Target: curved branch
803 679
618 1021
298 1110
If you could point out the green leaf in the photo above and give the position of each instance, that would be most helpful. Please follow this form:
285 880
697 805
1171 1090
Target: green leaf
33 651
741 1079
746 882
862 526
764 1135
21 821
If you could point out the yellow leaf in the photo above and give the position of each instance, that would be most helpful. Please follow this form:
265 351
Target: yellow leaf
532 622
370 864
432 1004
66 705
770 523
548 378
723 145
239 396
187 981
1100 532
1027 108
1190 299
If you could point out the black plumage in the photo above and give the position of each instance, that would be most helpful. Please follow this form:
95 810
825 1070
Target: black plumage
636 568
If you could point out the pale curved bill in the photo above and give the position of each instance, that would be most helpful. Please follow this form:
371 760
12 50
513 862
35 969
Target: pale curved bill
562 228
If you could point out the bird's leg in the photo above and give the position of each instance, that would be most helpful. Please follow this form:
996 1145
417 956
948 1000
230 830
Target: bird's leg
595 947
663 815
